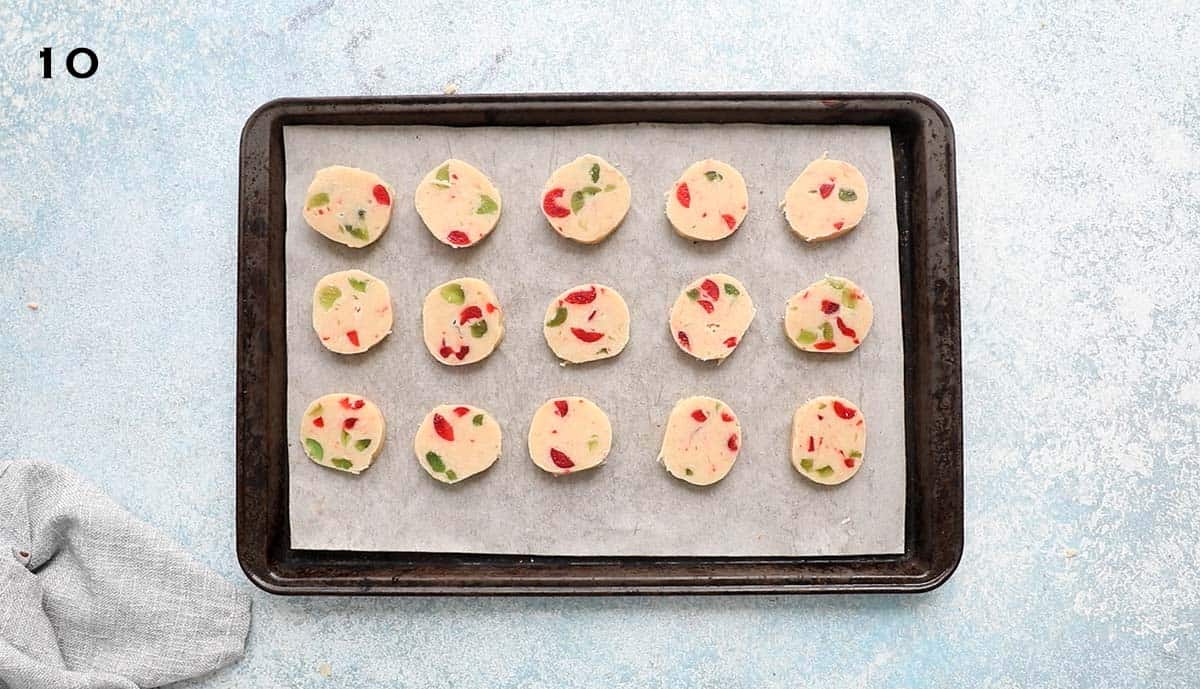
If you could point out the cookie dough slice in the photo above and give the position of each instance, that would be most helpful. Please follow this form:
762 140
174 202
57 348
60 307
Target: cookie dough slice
830 315
827 200
458 203
352 311
348 205
569 434
708 202
710 316
456 441
829 436
462 321
586 323
342 431
586 199
702 440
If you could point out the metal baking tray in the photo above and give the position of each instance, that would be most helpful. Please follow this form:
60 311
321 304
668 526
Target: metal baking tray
923 153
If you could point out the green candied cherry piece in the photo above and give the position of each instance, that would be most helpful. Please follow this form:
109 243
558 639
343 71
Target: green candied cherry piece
590 191
477 420
451 475
855 454
693 294
688 471
713 176
486 205
594 172
317 200
577 202
342 463
478 329
827 331
435 462
345 439
806 337
314 449
806 464
442 178
732 290
821 405
327 295
825 471
835 283
593 443
847 195
454 294
359 233
316 410
362 444
560 316
357 285
849 299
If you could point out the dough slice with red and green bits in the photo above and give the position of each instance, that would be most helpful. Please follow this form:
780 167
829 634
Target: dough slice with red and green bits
827 200
708 202
586 323
830 315
702 440
348 205
458 203
586 199
342 431
352 311
456 441
462 321
829 436
569 434
710 316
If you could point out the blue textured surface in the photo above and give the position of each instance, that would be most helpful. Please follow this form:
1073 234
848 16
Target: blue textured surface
1079 173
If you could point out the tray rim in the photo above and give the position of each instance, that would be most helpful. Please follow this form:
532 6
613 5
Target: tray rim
923 566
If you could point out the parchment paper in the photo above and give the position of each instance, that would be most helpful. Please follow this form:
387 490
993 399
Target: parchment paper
629 505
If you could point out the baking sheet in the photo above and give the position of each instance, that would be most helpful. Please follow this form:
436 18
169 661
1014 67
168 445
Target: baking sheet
629 505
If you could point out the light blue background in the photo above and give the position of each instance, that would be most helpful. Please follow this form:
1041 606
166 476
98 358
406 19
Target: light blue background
1078 130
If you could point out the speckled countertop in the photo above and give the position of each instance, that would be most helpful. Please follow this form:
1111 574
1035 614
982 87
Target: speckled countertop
1079 199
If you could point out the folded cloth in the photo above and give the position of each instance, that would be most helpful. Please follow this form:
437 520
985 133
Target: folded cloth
92 598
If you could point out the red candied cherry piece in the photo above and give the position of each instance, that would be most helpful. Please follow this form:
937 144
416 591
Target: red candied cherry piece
700 416
683 195
828 307
826 189
706 305
352 335
733 443
445 351
345 402
731 342
710 288
491 308
811 447
726 417
560 407
560 459
319 422
469 314
443 428
730 221
348 424
838 225
826 344
586 335
846 330
462 353
849 462
550 207
683 340
358 404
461 411
380 193
458 238
843 411
585 296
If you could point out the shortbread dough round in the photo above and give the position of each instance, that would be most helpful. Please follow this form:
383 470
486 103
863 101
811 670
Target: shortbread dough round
708 202
459 204
832 315
352 311
348 205
827 200
462 321
702 440
342 431
586 199
710 316
569 434
456 441
586 323
829 436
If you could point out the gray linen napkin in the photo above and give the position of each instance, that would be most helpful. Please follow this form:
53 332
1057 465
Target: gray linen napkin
92 598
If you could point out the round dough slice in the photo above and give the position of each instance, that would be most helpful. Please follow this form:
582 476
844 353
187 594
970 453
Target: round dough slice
456 441
458 203
352 311
569 434
831 315
462 321
348 205
586 323
586 199
827 200
710 316
702 440
829 436
342 431
708 202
